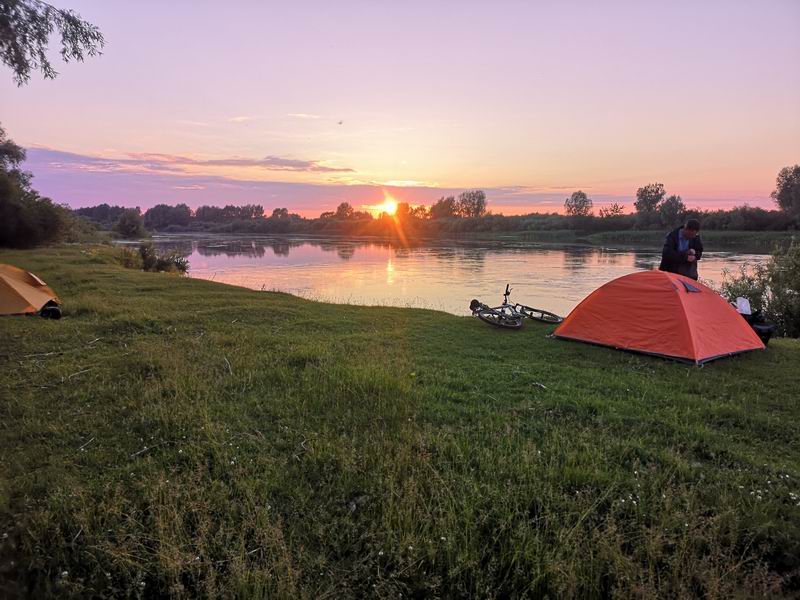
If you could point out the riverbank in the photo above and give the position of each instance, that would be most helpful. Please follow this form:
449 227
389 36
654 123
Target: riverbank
178 436
720 241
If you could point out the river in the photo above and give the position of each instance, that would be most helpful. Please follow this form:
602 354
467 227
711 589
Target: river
441 275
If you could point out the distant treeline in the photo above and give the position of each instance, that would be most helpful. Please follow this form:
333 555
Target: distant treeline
464 214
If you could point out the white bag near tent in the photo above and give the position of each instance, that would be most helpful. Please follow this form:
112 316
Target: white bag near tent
743 306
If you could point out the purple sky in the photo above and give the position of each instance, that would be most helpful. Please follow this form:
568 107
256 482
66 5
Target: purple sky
306 105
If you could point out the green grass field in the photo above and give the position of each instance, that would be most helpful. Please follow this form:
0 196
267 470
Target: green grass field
177 437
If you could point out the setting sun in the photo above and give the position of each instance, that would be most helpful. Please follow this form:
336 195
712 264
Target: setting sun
389 206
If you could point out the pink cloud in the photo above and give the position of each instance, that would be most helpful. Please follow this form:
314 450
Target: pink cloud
270 163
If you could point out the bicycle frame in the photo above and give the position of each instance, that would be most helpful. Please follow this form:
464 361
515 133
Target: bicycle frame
513 314
506 305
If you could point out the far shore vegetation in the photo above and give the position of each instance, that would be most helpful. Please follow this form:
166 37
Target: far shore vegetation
468 214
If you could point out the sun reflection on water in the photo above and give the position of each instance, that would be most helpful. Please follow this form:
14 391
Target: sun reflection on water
439 275
389 272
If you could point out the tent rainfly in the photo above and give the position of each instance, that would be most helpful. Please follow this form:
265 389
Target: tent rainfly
663 314
22 292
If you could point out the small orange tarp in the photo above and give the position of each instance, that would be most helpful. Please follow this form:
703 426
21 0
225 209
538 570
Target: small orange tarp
22 292
660 313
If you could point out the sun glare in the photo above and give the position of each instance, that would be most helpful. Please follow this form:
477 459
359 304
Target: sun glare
389 206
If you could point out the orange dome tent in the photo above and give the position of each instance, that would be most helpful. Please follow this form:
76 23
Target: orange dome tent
22 292
662 314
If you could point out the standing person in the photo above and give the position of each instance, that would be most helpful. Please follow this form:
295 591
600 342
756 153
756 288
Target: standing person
682 249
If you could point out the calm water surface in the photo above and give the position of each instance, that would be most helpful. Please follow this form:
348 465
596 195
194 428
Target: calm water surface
442 275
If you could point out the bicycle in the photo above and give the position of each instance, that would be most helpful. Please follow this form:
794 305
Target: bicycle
510 316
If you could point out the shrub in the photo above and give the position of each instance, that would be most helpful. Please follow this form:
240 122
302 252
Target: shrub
147 258
83 231
130 224
28 219
130 258
169 263
772 287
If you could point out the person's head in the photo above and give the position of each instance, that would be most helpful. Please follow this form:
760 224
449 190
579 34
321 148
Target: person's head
691 229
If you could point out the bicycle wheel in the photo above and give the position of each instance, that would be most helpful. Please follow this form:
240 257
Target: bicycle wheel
537 314
499 319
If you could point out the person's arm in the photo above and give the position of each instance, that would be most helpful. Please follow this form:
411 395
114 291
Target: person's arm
670 252
698 251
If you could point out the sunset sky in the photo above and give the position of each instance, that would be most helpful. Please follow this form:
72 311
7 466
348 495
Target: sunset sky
308 104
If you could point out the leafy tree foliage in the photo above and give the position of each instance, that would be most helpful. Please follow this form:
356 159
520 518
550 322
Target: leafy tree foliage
420 212
578 204
248 211
26 218
130 224
647 201
648 197
170 262
784 289
787 190
11 157
746 218
102 214
228 213
772 287
162 216
672 211
444 208
471 203
344 211
209 214
445 217
147 258
403 212
281 221
25 29
614 210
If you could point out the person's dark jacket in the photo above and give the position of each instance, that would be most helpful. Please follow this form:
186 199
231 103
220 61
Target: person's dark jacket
674 261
